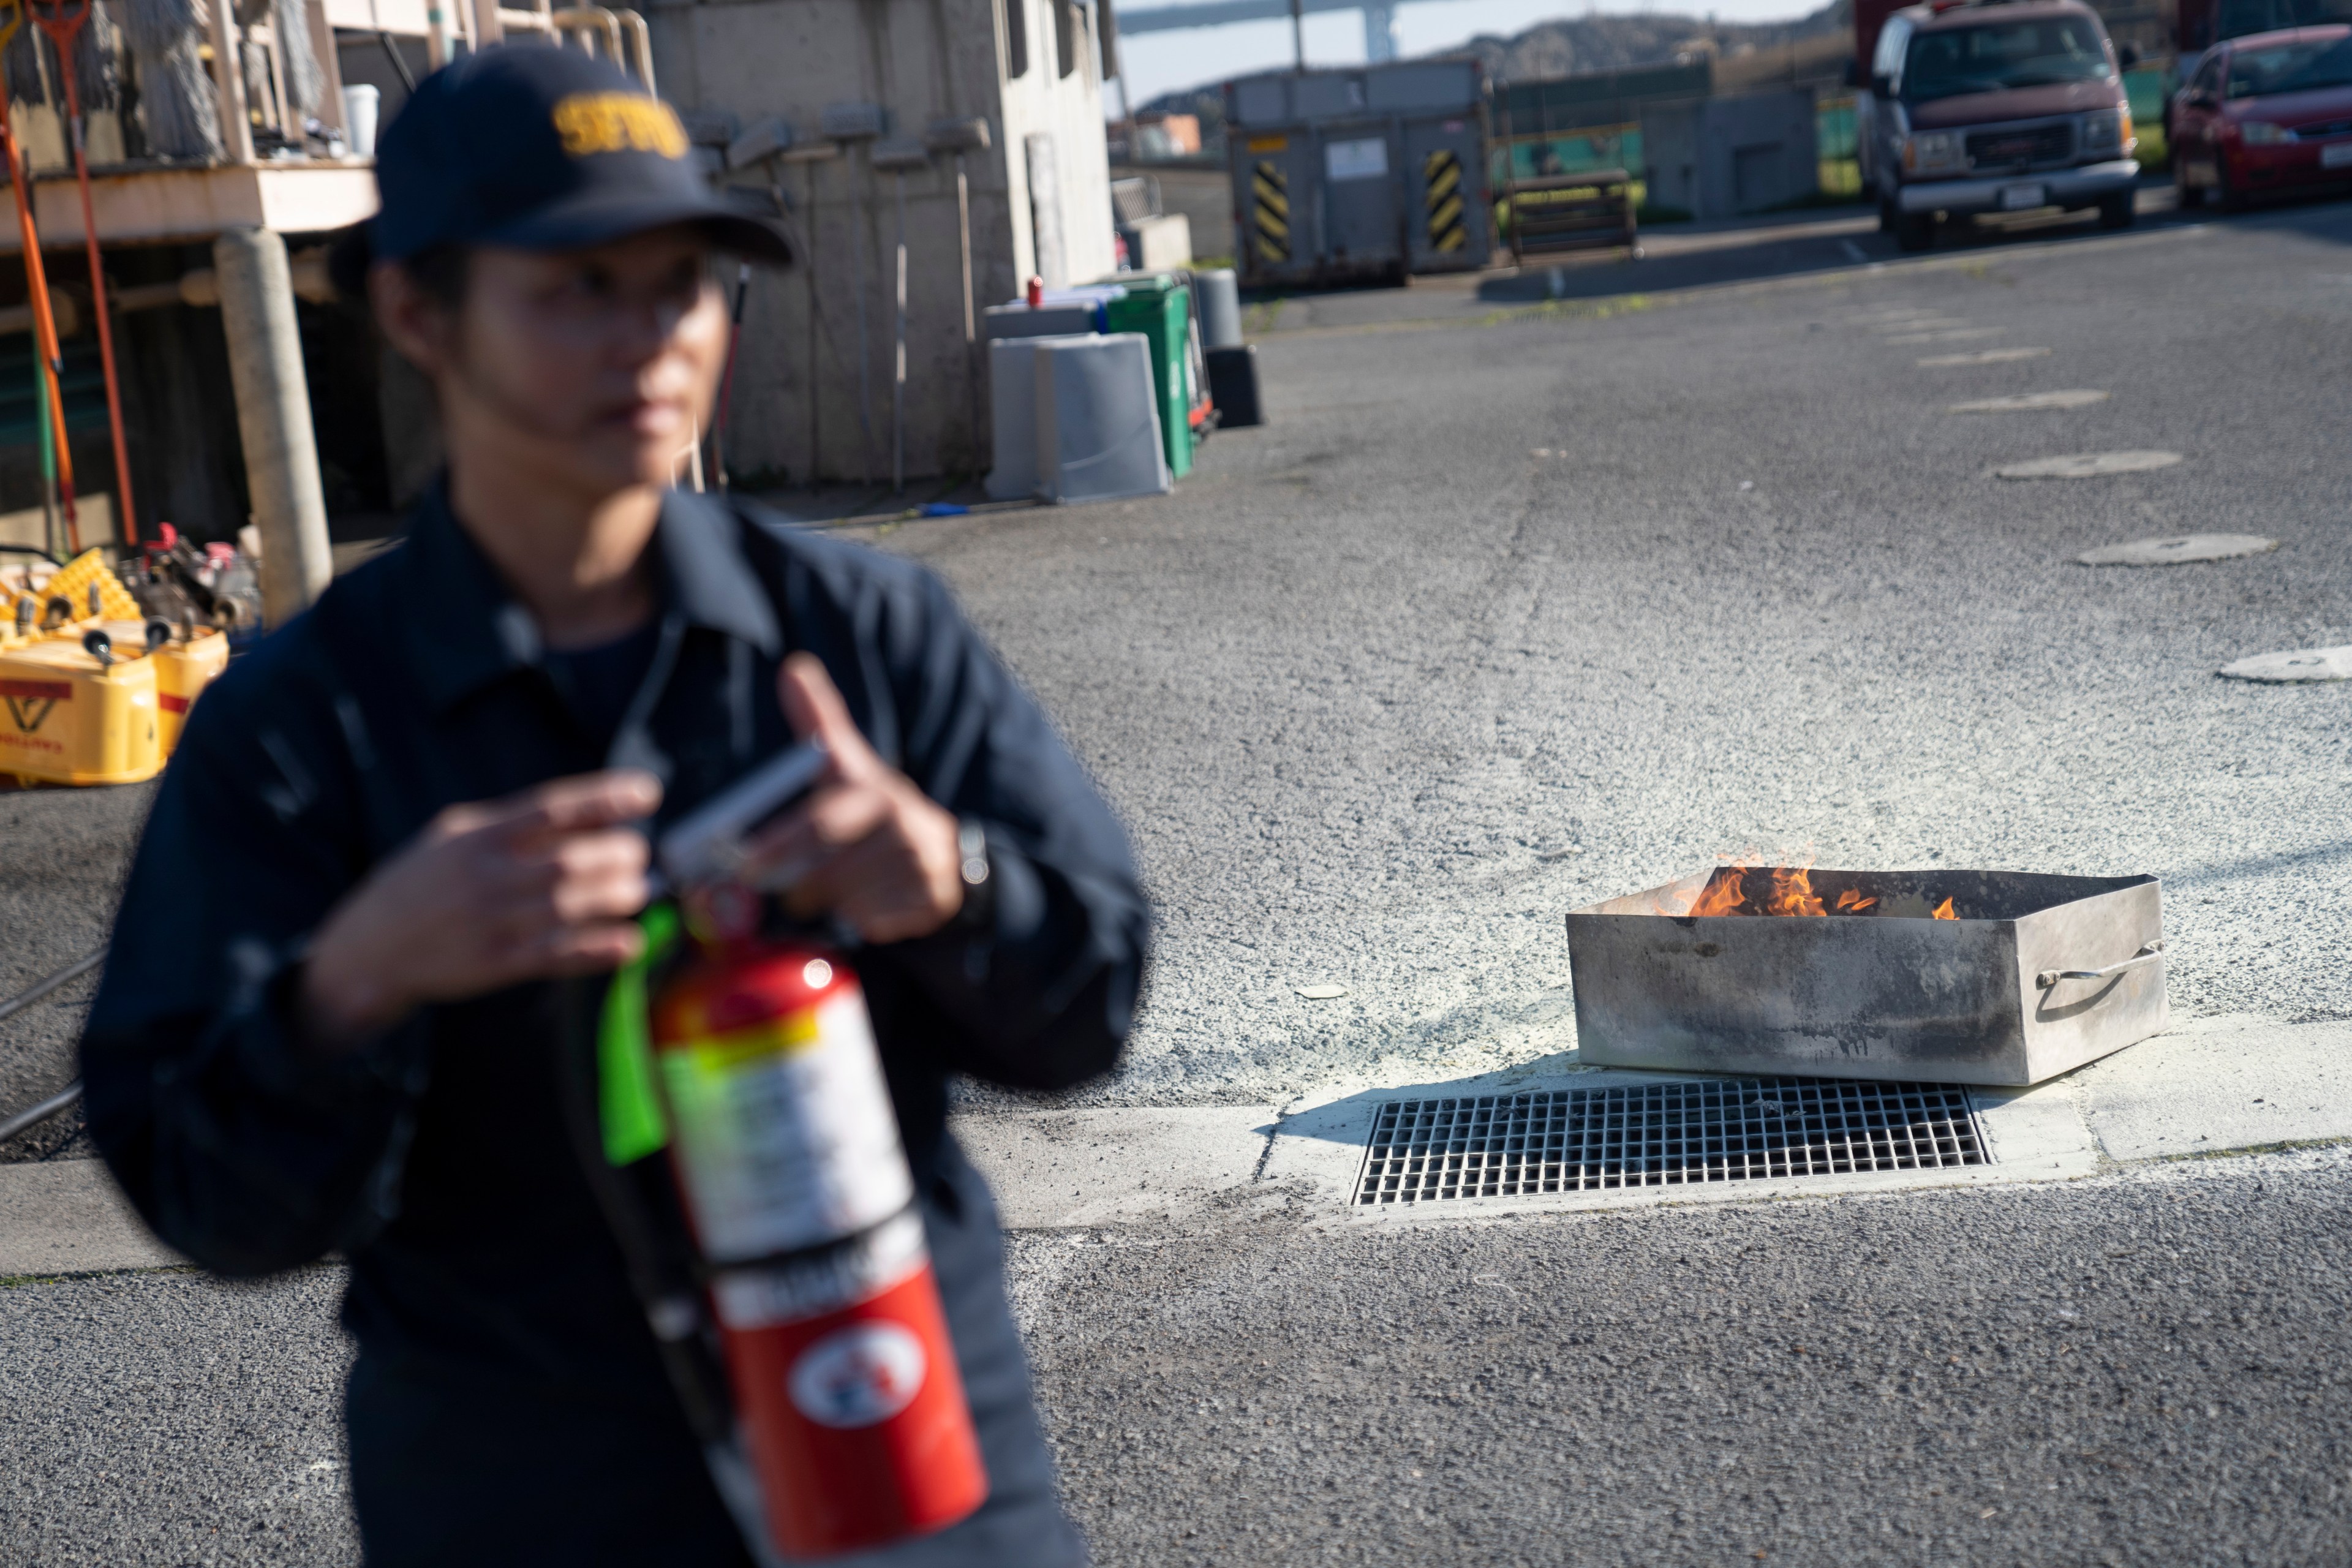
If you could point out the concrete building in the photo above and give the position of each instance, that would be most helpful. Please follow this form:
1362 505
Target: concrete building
1719 156
813 385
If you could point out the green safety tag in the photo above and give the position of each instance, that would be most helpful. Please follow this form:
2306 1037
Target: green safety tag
626 1101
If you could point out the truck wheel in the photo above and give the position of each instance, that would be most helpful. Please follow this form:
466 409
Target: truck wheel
2116 211
1915 231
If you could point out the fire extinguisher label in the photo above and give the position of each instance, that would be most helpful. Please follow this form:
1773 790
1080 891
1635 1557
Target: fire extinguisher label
764 1297
858 1376
787 1137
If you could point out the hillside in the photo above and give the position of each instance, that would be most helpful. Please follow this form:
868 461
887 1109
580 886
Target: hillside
1807 48
1597 43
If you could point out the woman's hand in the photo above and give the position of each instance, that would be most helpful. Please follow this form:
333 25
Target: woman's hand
540 884
867 845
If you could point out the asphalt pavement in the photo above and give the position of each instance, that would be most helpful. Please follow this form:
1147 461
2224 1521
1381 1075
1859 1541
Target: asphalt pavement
1504 612
1494 621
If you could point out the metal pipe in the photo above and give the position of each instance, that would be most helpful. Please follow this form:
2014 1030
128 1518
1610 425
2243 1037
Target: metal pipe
899 361
273 418
865 352
971 343
642 36
228 84
399 65
816 404
64 27
57 450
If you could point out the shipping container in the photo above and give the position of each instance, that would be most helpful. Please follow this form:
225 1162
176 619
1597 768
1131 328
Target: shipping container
1359 175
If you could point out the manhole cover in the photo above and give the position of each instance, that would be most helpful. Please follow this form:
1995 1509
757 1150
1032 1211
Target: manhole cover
2308 664
1981 356
2026 402
1662 1134
2089 465
2173 551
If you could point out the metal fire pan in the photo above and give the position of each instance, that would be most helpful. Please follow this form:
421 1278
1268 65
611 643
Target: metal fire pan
2039 975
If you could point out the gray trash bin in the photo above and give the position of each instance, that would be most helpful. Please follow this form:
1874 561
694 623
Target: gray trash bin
1097 429
1013 397
1220 298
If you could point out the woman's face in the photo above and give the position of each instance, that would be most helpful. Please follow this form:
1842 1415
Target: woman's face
592 370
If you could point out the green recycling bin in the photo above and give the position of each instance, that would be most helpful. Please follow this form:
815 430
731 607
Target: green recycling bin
1161 308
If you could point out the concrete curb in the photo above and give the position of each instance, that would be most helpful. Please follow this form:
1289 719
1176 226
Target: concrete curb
2212 1086
67 1216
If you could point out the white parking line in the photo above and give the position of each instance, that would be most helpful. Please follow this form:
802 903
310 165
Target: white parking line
1981 356
2181 549
2293 667
2025 402
1961 336
2089 465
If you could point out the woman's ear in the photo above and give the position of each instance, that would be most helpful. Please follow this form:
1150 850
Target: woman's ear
418 326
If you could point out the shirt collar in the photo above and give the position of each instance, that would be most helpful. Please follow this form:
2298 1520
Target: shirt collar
467 631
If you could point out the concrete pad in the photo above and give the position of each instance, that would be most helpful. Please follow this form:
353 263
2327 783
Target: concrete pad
2180 549
67 1216
2089 465
2303 664
2219 1084
1056 1168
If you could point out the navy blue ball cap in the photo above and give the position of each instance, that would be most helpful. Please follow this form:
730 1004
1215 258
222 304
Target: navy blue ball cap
535 147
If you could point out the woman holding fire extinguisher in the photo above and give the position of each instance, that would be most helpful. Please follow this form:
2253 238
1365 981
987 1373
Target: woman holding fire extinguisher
353 995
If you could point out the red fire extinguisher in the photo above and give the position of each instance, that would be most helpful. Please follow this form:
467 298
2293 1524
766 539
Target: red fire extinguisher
786 1151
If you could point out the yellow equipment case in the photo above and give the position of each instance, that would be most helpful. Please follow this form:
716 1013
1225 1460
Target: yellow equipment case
183 669
69 718
99 699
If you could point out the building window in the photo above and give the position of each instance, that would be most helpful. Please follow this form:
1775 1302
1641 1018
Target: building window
1069 35
1016 38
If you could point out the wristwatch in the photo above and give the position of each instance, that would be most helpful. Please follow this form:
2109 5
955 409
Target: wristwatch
978 888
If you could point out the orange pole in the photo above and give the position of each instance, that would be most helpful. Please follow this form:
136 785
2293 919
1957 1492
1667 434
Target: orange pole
37 290
63 28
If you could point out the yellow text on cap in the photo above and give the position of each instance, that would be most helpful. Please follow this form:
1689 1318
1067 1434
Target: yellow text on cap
593 122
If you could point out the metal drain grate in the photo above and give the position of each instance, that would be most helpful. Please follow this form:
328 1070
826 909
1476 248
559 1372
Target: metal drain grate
1662 1134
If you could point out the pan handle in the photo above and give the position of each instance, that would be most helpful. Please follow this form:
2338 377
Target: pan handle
2146 956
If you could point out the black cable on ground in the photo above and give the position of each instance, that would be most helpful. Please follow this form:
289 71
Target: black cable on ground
42 987
33 1115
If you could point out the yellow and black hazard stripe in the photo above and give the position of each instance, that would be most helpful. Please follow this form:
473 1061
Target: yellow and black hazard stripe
1441 171
1272 208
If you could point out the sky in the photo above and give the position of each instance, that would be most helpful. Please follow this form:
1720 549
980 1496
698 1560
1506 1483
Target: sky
1195 56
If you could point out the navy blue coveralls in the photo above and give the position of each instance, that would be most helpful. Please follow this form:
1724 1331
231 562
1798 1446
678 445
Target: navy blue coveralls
507 1405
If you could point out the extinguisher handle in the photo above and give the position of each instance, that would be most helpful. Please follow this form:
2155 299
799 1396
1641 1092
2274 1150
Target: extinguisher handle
707 844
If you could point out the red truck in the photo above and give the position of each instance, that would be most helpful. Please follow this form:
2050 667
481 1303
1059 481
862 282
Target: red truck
1978 106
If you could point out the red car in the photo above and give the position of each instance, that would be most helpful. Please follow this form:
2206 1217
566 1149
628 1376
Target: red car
2269 111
